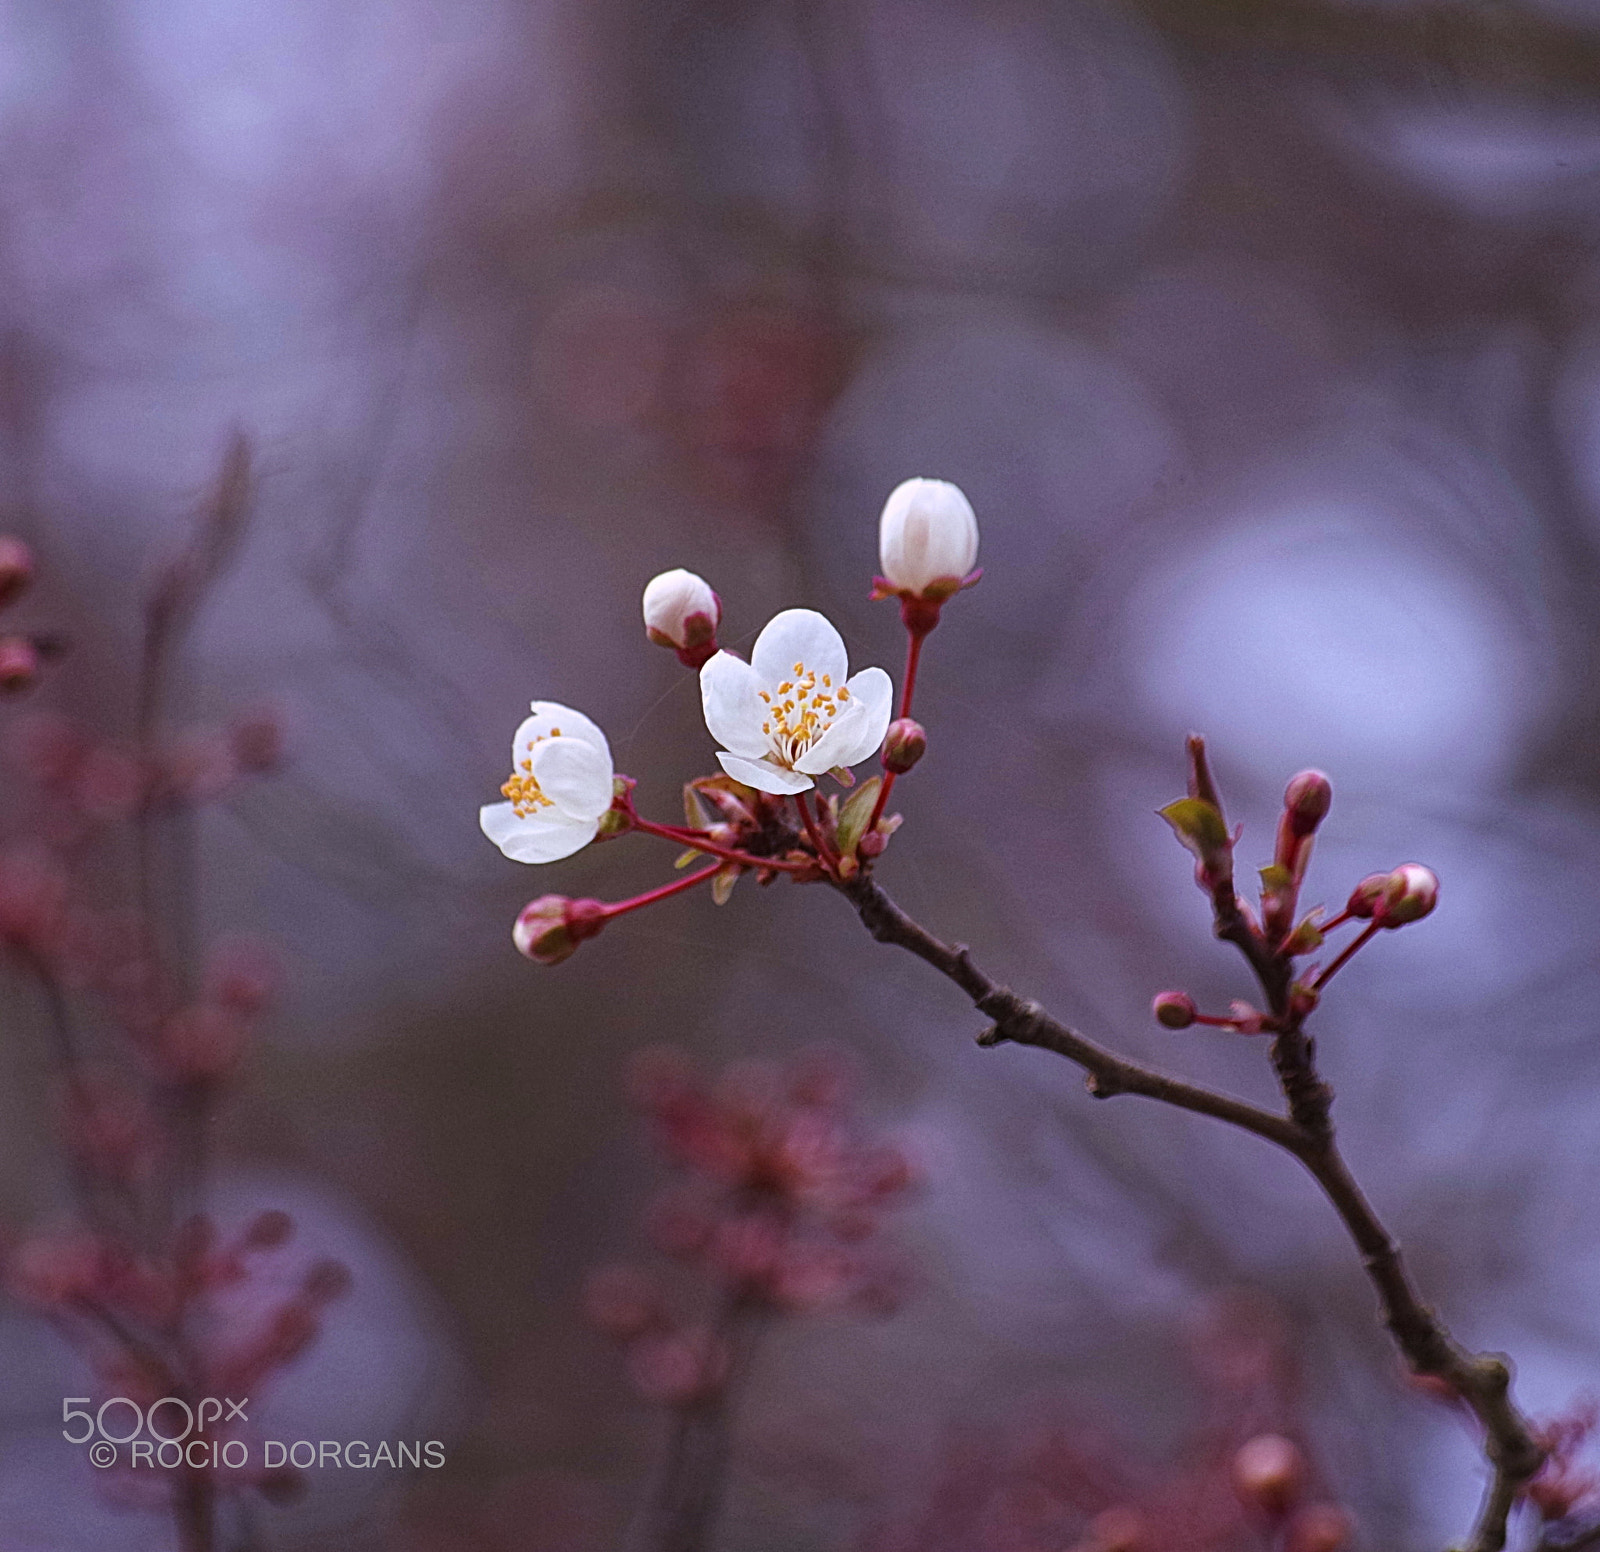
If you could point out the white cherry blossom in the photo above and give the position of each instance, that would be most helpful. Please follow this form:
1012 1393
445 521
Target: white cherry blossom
790 713
560 787
927 538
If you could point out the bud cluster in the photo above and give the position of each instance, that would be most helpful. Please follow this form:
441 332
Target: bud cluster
1275 938
245 1306
775 1208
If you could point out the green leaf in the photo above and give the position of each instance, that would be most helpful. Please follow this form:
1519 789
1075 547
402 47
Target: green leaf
855 813
1198 826
1276 879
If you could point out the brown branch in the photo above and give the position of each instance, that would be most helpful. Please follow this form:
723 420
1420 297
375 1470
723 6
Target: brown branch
1481 1380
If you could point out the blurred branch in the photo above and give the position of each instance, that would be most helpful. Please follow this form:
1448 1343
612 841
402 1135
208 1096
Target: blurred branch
1496 46
1481 1380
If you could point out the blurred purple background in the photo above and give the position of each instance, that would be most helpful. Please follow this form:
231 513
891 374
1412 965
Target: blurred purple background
1263 339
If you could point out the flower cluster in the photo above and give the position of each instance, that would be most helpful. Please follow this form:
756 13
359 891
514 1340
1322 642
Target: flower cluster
775 1211
192 1320
784 720
1274 934
142 1034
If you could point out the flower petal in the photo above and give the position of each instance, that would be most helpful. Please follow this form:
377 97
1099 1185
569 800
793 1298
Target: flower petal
574 775
733 708
764 775
546 836
873 691
550 719
799 636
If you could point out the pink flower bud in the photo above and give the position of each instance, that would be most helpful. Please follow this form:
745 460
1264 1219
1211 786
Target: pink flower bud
678 1367
1411 893
1365 896
16 569
904 744
1322 1527
682 612
1269 1473
1175 1010
549 929
1306 801
19 664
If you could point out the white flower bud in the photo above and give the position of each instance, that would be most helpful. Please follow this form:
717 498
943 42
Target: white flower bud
681 611
927 538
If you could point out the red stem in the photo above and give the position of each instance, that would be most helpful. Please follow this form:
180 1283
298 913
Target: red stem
687 837
677 887
1344 958
824 856
914 640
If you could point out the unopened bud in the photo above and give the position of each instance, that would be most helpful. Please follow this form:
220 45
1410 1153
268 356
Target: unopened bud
905 743
1269 1473
1411 893
1320 1527
1306 801
682 612
16 569
927 539
1176 1010
1365 896
549 929
19 664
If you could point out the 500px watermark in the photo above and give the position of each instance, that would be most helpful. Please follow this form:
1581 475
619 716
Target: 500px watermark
152 1444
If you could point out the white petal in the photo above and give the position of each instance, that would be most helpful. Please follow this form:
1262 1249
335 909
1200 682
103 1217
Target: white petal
928 533
764 775
835 745
733 709
550 718
574 775
546 836
873 691
799 636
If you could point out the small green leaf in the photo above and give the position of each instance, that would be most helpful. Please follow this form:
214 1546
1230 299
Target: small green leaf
1198 826
855 813
1276 879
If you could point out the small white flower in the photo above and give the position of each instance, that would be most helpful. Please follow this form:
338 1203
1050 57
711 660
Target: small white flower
680 610
790 714
927 538
560 787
